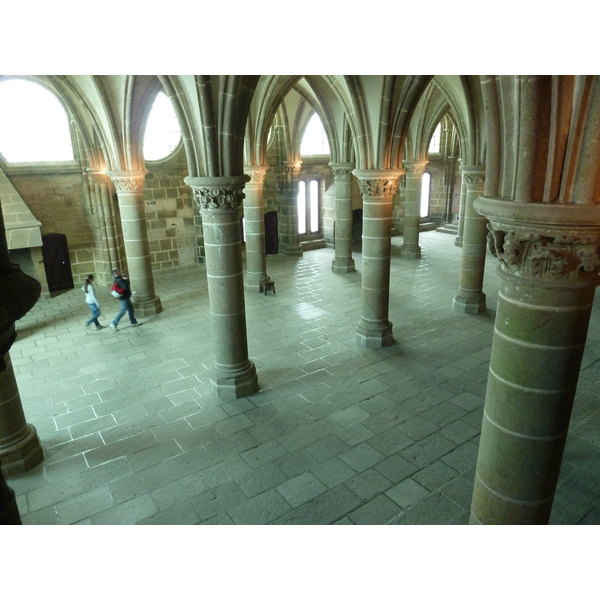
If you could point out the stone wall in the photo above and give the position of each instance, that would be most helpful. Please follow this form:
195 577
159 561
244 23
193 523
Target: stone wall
170 218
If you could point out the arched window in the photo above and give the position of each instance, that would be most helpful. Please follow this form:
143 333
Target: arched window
314 140
34 126
434 144
425 187
163 133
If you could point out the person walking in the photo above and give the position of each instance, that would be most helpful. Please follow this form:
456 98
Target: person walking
122 283
92 302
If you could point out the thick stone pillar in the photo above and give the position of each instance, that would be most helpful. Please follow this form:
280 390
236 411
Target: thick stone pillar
289 242
254 218
20 448
343 261
220 199
412 208
130 190
549 269
458 240
378 188
470 297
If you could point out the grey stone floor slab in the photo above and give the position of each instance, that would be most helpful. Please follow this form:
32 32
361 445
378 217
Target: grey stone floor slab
336 434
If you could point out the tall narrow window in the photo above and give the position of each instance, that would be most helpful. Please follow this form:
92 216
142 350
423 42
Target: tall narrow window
162 129
425 186
301 207
314 140
309 208
434 144
34 126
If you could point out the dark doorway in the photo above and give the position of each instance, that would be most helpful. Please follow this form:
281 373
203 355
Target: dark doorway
271 233
57 262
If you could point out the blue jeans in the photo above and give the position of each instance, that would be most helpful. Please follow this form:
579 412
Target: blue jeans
125 306
95 314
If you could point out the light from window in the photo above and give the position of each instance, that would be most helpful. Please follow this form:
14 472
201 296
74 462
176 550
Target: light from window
425 181
434 144
314 205
34 126
162 129
301 207
314 140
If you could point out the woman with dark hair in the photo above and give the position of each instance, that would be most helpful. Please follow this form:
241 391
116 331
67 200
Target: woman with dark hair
92 302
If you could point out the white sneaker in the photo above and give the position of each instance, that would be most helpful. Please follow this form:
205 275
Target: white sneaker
113 327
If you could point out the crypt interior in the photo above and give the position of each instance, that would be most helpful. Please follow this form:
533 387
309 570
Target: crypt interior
365 299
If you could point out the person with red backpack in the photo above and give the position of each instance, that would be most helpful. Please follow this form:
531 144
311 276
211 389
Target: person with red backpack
122 291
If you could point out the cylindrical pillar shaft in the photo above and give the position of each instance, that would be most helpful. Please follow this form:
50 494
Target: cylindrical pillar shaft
130 190
412 208
549 270
343 261
288 212
254 218
470 297
377 187
233 375
20 448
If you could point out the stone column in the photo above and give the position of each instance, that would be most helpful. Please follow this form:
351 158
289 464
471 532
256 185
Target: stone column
378 188
20 448
470 297
130 190
220 199
412 208
288 221
549 262
254 218
343 261
458 240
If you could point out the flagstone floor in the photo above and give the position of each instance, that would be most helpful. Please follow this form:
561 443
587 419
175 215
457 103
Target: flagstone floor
337 434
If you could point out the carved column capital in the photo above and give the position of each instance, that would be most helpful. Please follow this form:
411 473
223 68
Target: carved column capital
473 175
292 167
257 174
544 242
218 193
128 181
341 169
415 167
547 258
378 182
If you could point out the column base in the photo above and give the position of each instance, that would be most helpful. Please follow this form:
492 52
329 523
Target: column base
22 456
458 241
234 384
471 305
343 265
374 334
144 308
410 251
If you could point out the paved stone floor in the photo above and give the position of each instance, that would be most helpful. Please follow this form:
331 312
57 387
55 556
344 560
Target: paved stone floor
338 434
